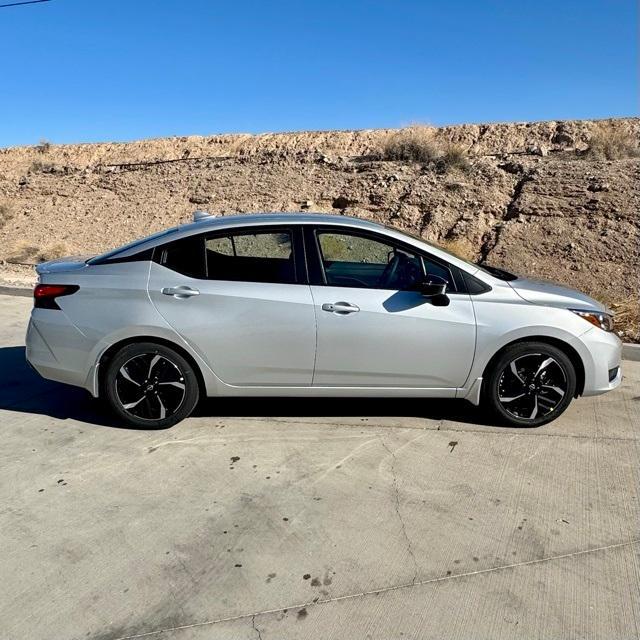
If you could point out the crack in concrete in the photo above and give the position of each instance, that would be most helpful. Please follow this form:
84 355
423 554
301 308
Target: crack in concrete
348 457
253 625
398 513
351 596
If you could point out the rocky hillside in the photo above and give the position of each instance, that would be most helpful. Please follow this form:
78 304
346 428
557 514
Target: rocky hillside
529 197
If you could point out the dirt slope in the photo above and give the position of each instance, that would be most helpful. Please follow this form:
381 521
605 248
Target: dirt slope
529 201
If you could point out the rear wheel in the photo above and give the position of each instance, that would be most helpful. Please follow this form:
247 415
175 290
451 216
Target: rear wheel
530 384
151 386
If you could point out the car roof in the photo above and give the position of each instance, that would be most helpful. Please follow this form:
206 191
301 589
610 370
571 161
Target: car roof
254 219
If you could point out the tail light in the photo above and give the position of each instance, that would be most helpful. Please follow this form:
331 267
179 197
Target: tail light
44 295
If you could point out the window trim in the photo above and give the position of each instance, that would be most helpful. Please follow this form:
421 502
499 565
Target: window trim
317 275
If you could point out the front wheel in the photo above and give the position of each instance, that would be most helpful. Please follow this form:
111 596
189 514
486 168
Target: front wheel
151 386
530 384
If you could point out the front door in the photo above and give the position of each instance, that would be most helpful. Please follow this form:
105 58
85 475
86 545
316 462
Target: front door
234 297
374 328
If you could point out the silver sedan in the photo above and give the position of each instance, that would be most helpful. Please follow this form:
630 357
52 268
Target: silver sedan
312 305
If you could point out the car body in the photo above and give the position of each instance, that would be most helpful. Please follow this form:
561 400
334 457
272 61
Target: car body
310 305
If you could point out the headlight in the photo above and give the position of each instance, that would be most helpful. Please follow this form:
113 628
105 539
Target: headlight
598 319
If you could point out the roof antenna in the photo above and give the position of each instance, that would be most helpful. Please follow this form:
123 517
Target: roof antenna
201 215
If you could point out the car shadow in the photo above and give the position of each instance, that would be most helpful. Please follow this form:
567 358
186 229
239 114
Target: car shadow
23 390
332 409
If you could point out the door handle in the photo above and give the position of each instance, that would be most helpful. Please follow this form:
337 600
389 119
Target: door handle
180 292
341 308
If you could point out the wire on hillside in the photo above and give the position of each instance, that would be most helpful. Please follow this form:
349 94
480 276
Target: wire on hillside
16 4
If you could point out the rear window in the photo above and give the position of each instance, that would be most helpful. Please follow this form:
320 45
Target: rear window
116 253
186 256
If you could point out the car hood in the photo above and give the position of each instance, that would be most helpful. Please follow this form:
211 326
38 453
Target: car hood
554 295
72 263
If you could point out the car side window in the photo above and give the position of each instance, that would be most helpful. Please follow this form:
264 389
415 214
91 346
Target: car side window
185 256
264 256
353 260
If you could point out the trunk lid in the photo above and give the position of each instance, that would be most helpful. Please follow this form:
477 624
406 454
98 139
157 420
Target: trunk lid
62 265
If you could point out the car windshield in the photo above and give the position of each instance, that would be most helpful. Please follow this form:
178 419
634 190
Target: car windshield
131 245
501 274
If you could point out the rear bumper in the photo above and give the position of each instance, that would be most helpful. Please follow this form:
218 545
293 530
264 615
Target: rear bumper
62 355
601 352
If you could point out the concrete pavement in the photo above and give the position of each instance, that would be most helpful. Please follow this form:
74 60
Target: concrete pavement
279 519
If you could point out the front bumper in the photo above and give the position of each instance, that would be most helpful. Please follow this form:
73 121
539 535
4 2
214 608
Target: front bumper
601 352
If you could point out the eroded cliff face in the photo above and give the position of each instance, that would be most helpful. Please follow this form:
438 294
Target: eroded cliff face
528 202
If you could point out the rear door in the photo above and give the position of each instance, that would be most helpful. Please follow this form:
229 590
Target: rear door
374 327
239 298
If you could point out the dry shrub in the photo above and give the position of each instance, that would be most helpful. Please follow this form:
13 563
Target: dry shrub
41 167
454 156
23 252
6 213
611 143
411 144
627 319
53 251
419 144
43 146
461 247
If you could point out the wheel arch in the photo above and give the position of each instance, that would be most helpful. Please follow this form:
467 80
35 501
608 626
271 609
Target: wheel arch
566 348
111 351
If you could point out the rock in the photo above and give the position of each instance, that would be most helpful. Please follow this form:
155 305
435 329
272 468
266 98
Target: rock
563 140
306 204
538 150
199 199
598 186
561 137
342 202
515 168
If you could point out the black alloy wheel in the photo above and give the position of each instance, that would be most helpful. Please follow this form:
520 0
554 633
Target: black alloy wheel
530 384
150 385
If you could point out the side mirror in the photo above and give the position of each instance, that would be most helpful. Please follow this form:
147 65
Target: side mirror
432 287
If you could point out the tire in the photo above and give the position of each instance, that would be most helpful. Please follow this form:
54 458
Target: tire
150 386
530 384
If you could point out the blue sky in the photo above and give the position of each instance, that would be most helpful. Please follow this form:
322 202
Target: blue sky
91 70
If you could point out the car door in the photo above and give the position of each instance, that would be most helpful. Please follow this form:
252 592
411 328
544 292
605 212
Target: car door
240 299
374 328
